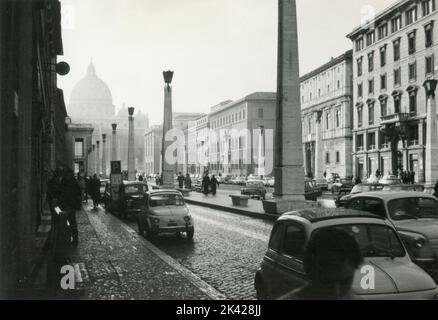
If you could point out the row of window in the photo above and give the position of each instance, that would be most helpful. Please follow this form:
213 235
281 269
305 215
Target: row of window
384 107
412 136
229 119
327 120
397 76
412 44
411 15
320 92
327 157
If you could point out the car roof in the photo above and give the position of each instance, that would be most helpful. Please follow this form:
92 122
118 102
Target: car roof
390 195
153 192
321 214
251 180
371 184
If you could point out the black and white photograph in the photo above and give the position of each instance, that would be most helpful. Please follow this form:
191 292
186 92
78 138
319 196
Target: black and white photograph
218 154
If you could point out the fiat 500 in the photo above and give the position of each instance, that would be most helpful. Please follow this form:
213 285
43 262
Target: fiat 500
396 276
165 212
415 216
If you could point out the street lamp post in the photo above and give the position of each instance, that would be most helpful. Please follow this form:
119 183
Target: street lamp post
104 155
167 169
431 152
114 142
131 155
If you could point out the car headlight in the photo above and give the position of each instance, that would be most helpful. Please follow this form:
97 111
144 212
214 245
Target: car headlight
417 245
155 220
187 219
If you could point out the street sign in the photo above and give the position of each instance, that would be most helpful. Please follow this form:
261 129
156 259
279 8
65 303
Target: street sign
116 180
116 167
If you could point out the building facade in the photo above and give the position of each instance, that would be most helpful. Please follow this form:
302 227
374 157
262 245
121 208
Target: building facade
79 143
326 104
32 131
236 132
153 143
393 56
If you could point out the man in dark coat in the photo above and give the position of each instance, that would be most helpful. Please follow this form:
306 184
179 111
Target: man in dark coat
69 200
188 181
214 184
180 180
206 184
95 191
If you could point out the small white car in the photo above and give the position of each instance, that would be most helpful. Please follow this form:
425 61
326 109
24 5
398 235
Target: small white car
165 212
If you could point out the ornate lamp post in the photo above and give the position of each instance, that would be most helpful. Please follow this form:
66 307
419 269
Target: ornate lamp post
114 142
104 155
431 152
131 155
168 170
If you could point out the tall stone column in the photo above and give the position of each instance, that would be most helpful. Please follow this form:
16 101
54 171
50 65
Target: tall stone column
114 143
104 175
93 161
168 170
288 157
98 158
319 150
131 154
420 173
431 164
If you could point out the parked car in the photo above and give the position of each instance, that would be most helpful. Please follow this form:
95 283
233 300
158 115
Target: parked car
254 189
270 182
132 198
322 184
282 270
165 212
414 214
227 179
342 186
311 190
359 188
404 187
239 181
390 179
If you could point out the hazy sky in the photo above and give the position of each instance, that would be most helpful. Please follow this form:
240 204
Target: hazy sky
219 49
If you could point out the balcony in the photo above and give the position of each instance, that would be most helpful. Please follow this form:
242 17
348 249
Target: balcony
360 149
371 147
413 143
396 117
385 145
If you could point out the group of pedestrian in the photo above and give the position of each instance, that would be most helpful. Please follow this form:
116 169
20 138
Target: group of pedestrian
408 177
184 181
209 185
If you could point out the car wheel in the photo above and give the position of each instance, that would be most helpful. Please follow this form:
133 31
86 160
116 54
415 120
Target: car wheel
190 234
140 229
261 292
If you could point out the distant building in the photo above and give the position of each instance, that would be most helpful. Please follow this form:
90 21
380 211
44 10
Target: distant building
91 102
393 55
153 144
326 104
79 151
236 149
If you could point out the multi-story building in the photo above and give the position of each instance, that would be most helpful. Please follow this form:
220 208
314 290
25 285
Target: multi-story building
326 104
32 132
153 144
393 56
236 129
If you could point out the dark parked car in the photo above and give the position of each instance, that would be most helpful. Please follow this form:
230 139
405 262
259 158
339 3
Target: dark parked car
311 190
282 270
359 188
254 189
343 186
132 198
103 184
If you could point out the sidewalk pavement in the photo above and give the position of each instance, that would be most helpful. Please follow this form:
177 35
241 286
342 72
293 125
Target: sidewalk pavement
113 262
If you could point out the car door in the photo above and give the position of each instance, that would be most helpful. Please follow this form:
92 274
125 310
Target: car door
270 260
289 269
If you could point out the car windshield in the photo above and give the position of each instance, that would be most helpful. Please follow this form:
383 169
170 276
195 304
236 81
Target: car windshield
413 208
254 184
136 188
375 240
165 200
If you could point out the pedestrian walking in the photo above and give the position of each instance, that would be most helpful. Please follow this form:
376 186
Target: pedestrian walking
188 181
412 177
53 189
180 180
69 200
95 191
206 184
140 178
214 184
83 185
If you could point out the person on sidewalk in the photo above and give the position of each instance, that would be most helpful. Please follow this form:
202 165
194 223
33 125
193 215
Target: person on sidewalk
83 185
214 184
70 200
188 182
95 191
53 189
180 180
205 184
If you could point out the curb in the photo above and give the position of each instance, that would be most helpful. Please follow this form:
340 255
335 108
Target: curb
264 216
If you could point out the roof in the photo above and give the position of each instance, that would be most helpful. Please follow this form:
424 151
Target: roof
164 191
266 96
382 15
321 214
334 61
391 195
